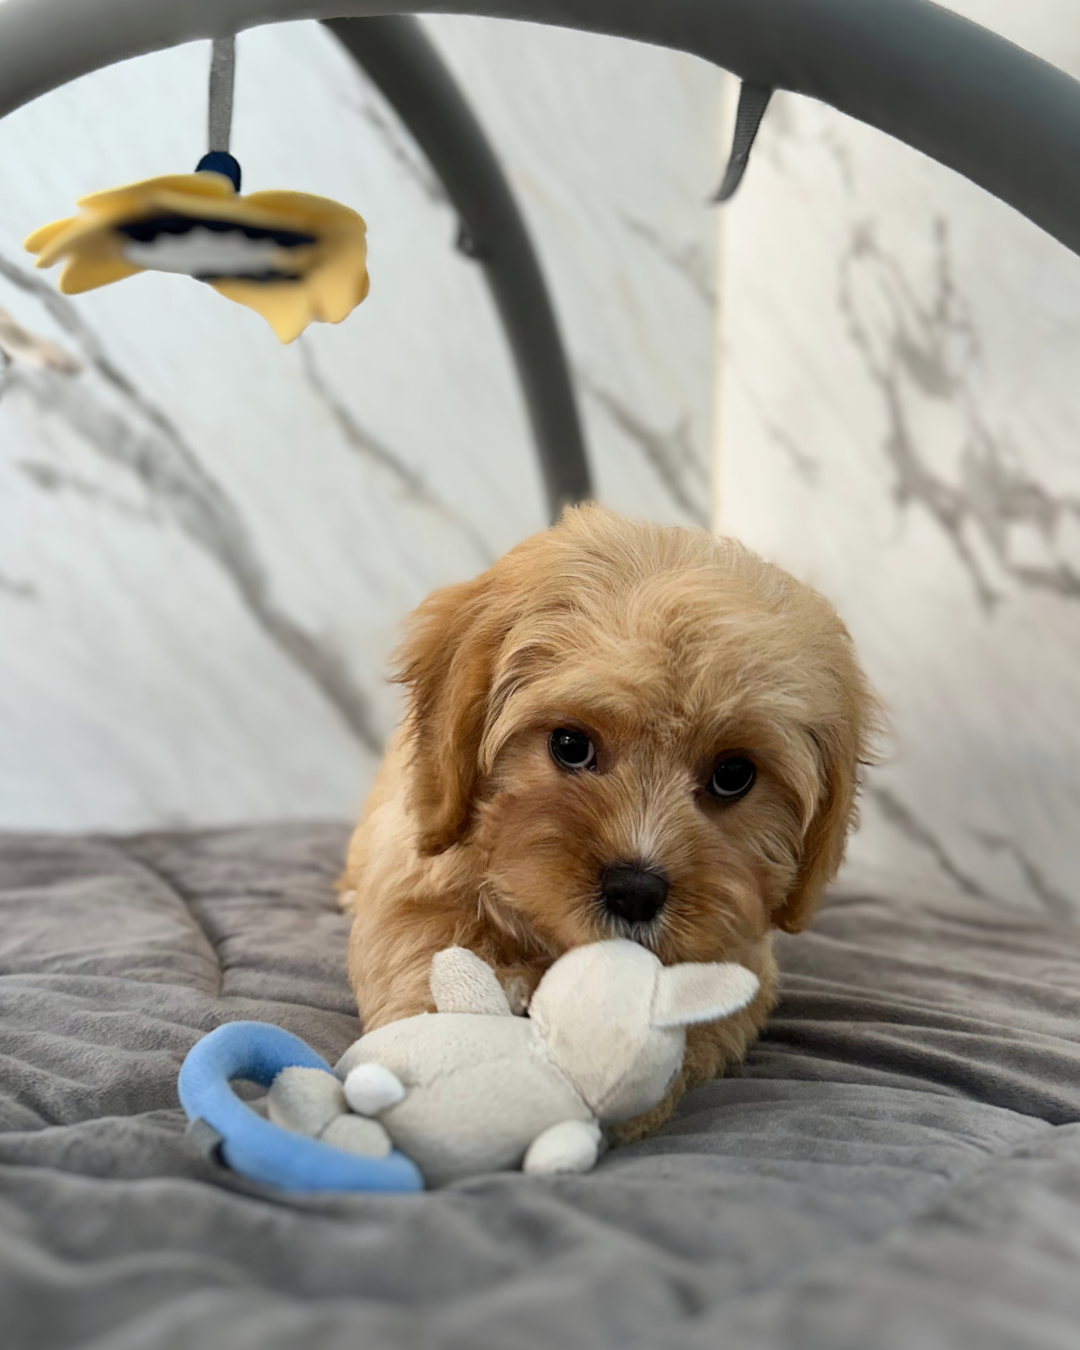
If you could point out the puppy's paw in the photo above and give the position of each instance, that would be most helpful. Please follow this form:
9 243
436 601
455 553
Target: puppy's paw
518 992
630 1131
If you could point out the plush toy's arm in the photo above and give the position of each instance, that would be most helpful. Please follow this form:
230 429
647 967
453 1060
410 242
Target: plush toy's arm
312 1102
371 1088
569 1146
462 983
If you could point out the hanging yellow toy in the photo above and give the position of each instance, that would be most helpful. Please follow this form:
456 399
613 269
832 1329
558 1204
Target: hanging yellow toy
293 258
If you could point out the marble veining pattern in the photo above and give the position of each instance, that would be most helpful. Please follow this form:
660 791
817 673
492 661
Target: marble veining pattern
899 426
206 540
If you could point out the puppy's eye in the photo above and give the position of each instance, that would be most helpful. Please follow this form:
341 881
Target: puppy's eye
572 749
732 778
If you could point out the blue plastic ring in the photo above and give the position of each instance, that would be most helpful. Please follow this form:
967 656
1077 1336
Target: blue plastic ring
257 1148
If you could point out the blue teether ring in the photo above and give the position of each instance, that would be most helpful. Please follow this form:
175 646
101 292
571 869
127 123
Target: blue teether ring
257 1148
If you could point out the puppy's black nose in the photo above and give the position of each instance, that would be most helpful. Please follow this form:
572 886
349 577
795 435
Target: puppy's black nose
631 892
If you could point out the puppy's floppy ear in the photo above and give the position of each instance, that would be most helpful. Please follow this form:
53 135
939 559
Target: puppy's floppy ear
823 845
840 749
446 660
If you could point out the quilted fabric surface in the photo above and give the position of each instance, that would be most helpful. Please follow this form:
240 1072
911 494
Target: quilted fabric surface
897 1164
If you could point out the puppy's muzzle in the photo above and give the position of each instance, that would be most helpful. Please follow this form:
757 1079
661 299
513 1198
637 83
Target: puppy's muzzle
633 892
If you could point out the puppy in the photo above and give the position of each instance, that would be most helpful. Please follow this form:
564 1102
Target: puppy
619 730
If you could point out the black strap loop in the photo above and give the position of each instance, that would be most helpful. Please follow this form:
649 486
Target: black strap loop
753 100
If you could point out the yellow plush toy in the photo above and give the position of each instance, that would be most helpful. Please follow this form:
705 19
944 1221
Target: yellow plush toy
291 257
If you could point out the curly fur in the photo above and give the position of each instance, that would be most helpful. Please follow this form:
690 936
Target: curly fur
669 647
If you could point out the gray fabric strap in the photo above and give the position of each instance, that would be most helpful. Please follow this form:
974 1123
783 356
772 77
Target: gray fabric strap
753 100
204 1139
398 56
222 69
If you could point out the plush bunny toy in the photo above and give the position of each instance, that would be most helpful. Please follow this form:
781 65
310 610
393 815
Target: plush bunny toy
472 1088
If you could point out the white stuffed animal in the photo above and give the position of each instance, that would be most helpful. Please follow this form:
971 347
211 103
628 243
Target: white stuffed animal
472 1088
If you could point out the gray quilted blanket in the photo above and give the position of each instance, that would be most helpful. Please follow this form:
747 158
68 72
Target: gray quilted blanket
897 1165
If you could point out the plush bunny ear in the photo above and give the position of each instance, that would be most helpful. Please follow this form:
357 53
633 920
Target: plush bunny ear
700 992
462 983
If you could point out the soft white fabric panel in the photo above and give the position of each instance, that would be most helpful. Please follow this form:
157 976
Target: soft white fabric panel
901 426
207 540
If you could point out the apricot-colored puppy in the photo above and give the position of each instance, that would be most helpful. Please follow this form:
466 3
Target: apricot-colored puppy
618 730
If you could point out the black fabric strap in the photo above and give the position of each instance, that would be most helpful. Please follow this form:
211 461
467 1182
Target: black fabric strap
753 100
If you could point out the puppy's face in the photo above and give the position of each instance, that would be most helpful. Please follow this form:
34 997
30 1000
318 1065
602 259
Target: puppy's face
637 732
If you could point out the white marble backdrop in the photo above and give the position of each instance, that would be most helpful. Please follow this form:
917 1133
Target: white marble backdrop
899 425
207 540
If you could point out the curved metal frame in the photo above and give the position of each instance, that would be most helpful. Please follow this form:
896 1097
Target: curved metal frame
977 103
959 93
407 68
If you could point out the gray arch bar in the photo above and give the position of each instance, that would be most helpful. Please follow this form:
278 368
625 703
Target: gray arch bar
951 89
406 67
